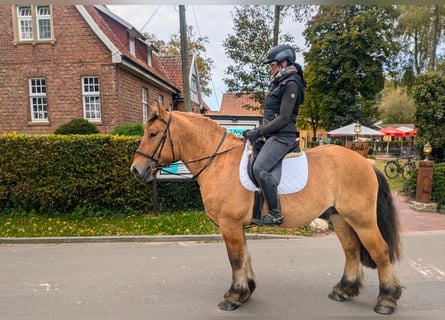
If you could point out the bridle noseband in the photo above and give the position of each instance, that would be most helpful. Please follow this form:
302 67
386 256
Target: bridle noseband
154 165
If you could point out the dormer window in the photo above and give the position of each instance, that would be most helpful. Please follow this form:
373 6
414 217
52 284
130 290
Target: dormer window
132 37
132 46
149 56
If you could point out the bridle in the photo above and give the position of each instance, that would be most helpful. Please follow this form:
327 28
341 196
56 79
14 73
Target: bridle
156 165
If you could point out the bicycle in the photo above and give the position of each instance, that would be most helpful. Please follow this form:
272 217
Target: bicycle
395 167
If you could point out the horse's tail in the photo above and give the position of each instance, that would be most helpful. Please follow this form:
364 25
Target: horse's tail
388 222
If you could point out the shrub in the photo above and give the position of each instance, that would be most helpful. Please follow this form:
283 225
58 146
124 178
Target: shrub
135 129
53 174
438 188
77 126
430 120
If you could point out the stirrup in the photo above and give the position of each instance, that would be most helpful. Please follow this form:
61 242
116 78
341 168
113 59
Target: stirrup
269 220
256 222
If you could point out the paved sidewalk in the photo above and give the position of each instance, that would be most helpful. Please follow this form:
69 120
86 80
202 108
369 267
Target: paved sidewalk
412 220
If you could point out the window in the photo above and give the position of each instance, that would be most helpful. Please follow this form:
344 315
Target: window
161 100
132 46
144 104
24 23
37 100
43 14
194 84
33 23
91 98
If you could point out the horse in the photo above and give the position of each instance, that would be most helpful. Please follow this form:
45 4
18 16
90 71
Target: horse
341 182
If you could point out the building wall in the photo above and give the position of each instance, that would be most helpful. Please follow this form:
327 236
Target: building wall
76 52
130 97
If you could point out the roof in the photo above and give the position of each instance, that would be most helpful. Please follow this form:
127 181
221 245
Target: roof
349 131
100 16
173 68
234 105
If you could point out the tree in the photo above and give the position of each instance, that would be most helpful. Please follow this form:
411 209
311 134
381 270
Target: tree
397 106
412 33
430 113
433 39
349 48
247 47
420 31
310 112
196 46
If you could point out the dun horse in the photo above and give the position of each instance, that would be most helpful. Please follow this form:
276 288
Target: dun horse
341 182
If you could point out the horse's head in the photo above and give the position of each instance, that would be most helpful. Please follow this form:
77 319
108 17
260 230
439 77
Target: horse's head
156 148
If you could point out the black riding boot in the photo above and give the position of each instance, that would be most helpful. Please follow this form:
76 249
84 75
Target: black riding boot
269 189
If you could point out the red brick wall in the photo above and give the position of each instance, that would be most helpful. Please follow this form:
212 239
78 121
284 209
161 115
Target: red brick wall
130 96
76 52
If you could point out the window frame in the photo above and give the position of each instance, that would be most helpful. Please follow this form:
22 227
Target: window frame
144 96
35 28
95 104
34 96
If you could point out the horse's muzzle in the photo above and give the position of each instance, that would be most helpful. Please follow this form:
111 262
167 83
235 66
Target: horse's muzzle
143 174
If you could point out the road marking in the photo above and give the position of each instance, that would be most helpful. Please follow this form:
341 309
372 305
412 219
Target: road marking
428 271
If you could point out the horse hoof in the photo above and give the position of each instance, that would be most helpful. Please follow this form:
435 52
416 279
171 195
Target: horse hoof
385 310
228 306
336 297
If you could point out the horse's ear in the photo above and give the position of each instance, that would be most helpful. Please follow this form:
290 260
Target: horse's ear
154 108
161 111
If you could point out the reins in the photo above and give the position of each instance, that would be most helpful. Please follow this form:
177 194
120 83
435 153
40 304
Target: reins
157 152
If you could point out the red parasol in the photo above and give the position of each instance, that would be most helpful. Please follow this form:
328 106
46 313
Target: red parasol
393 132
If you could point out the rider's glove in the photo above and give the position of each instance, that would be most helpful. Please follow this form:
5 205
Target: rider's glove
252 134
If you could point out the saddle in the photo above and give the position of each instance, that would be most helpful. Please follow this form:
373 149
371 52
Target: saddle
290 174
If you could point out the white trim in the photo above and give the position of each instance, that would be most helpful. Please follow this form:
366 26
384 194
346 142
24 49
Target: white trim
115 53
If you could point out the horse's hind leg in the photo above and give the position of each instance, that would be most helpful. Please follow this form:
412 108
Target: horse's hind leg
243 277
352 279
390 287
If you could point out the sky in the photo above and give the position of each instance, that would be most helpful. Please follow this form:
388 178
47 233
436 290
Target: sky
212 21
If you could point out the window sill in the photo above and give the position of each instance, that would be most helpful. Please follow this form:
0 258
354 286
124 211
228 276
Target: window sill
34 42
96 122
38 123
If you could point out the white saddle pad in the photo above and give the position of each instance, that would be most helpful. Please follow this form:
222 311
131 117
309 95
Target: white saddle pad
294 173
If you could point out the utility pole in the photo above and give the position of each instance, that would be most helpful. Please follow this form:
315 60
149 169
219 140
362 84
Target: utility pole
184 58
276 24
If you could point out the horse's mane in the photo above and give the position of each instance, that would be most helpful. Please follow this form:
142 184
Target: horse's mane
204 121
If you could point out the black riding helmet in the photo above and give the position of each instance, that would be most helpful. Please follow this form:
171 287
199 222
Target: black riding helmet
280 53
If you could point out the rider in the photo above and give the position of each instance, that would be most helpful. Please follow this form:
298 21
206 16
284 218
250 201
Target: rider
286 93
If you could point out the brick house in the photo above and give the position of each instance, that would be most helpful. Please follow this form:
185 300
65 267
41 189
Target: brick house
60 62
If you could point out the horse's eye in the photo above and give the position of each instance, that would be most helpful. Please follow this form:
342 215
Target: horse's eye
153 134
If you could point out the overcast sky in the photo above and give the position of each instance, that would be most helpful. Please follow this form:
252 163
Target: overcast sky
212 21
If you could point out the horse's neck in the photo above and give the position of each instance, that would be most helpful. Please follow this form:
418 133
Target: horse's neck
199 138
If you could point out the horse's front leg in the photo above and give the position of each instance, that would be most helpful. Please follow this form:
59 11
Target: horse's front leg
243 277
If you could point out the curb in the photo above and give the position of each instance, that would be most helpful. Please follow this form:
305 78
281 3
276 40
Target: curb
177 238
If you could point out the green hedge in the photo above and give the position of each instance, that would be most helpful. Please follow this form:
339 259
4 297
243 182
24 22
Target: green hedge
53 174
77 126
438 189
132 129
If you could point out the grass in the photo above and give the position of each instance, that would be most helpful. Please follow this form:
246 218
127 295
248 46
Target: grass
181 223
397 183
184 223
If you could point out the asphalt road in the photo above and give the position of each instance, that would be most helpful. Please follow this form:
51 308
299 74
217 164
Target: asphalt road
186 280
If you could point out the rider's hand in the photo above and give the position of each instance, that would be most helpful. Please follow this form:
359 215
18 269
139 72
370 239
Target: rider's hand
252 135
